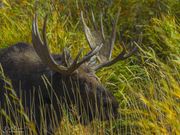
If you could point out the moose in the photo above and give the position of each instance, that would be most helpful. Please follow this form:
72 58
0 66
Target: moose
41 79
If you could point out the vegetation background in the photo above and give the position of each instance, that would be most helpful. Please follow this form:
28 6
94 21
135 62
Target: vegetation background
147 85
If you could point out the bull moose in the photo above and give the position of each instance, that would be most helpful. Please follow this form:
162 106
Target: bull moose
72 82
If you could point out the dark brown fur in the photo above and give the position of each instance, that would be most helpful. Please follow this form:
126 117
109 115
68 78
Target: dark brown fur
82 88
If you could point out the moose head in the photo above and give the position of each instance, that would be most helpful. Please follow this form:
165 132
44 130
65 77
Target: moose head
94 97
74 82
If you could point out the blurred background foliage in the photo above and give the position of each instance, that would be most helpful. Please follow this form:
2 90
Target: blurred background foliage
147 85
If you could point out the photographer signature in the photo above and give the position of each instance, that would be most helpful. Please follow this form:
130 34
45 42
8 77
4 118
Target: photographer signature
14 129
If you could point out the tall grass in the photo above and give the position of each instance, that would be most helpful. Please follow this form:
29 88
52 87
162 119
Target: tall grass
147 85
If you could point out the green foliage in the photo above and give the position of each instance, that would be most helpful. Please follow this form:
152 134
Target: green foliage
163 35
147 85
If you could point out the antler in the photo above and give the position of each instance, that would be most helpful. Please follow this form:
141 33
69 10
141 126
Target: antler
97 37
41 48
123 55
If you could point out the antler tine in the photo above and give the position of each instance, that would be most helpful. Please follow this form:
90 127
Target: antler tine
41 47
95 25
76 64
121 56
102 27
113 34
88 33
44 31
94 21
66 57
78 56
92 53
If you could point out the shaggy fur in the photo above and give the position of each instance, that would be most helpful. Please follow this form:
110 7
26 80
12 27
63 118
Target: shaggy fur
81 89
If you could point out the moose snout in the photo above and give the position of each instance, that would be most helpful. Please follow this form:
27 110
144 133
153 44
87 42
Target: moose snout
112 111
108 103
